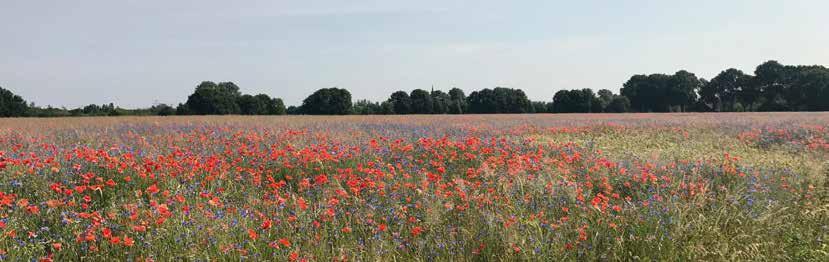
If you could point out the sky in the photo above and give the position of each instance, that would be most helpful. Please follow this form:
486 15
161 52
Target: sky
137 53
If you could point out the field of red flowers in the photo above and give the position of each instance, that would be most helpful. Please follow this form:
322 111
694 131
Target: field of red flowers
431 188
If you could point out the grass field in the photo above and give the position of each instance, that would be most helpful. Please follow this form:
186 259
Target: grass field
672 187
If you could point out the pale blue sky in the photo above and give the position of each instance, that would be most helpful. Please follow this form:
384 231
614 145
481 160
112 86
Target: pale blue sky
133 53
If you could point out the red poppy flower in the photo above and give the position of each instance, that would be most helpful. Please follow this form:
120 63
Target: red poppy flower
416 231
128 241
266 224
252 234
284 242
152 189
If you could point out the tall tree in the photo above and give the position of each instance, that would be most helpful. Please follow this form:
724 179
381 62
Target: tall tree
293 110
365 107
421 101
482 102
647 93
328 101
163 110
12 105
682 90
605 97
183 110
214 99
512 101
771 81
440 102
400 102
811 84
249 105
260 104
458 105
724 89
576 101
273 106
563 102
499 100
619 104
541 107
386 108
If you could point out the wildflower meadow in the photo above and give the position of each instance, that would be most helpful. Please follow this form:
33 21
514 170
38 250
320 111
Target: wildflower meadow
718 186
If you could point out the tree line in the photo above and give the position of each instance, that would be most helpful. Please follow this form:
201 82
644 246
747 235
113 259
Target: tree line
772 87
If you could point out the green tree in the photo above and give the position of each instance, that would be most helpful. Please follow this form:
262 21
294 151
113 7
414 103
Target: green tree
260 104
386 108
365 107
499 100
811 83
723 90
249 105
513 101
635 89
682 90
400 102
183 110
441 102
605 97
771 82
12 105
163 110
214 99
619 104
541 107
273 106
293 110
482 102
97 110
648 93
576 101
327 101
421 102
458 101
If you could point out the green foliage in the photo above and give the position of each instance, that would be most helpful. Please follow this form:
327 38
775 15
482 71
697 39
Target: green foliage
293 110
12 105
214 99
810 89
499 100
365 107
183 110
619 104
273 106
724 90
605 97
424 102
458 101
327 101
576 101
260 104
163 110
681 91
249 105
421 102
662 93
96 110
48 111
440 102
542 107
400 102
774 87
647 93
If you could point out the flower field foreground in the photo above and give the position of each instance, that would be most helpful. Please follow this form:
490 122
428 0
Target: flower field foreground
431 188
